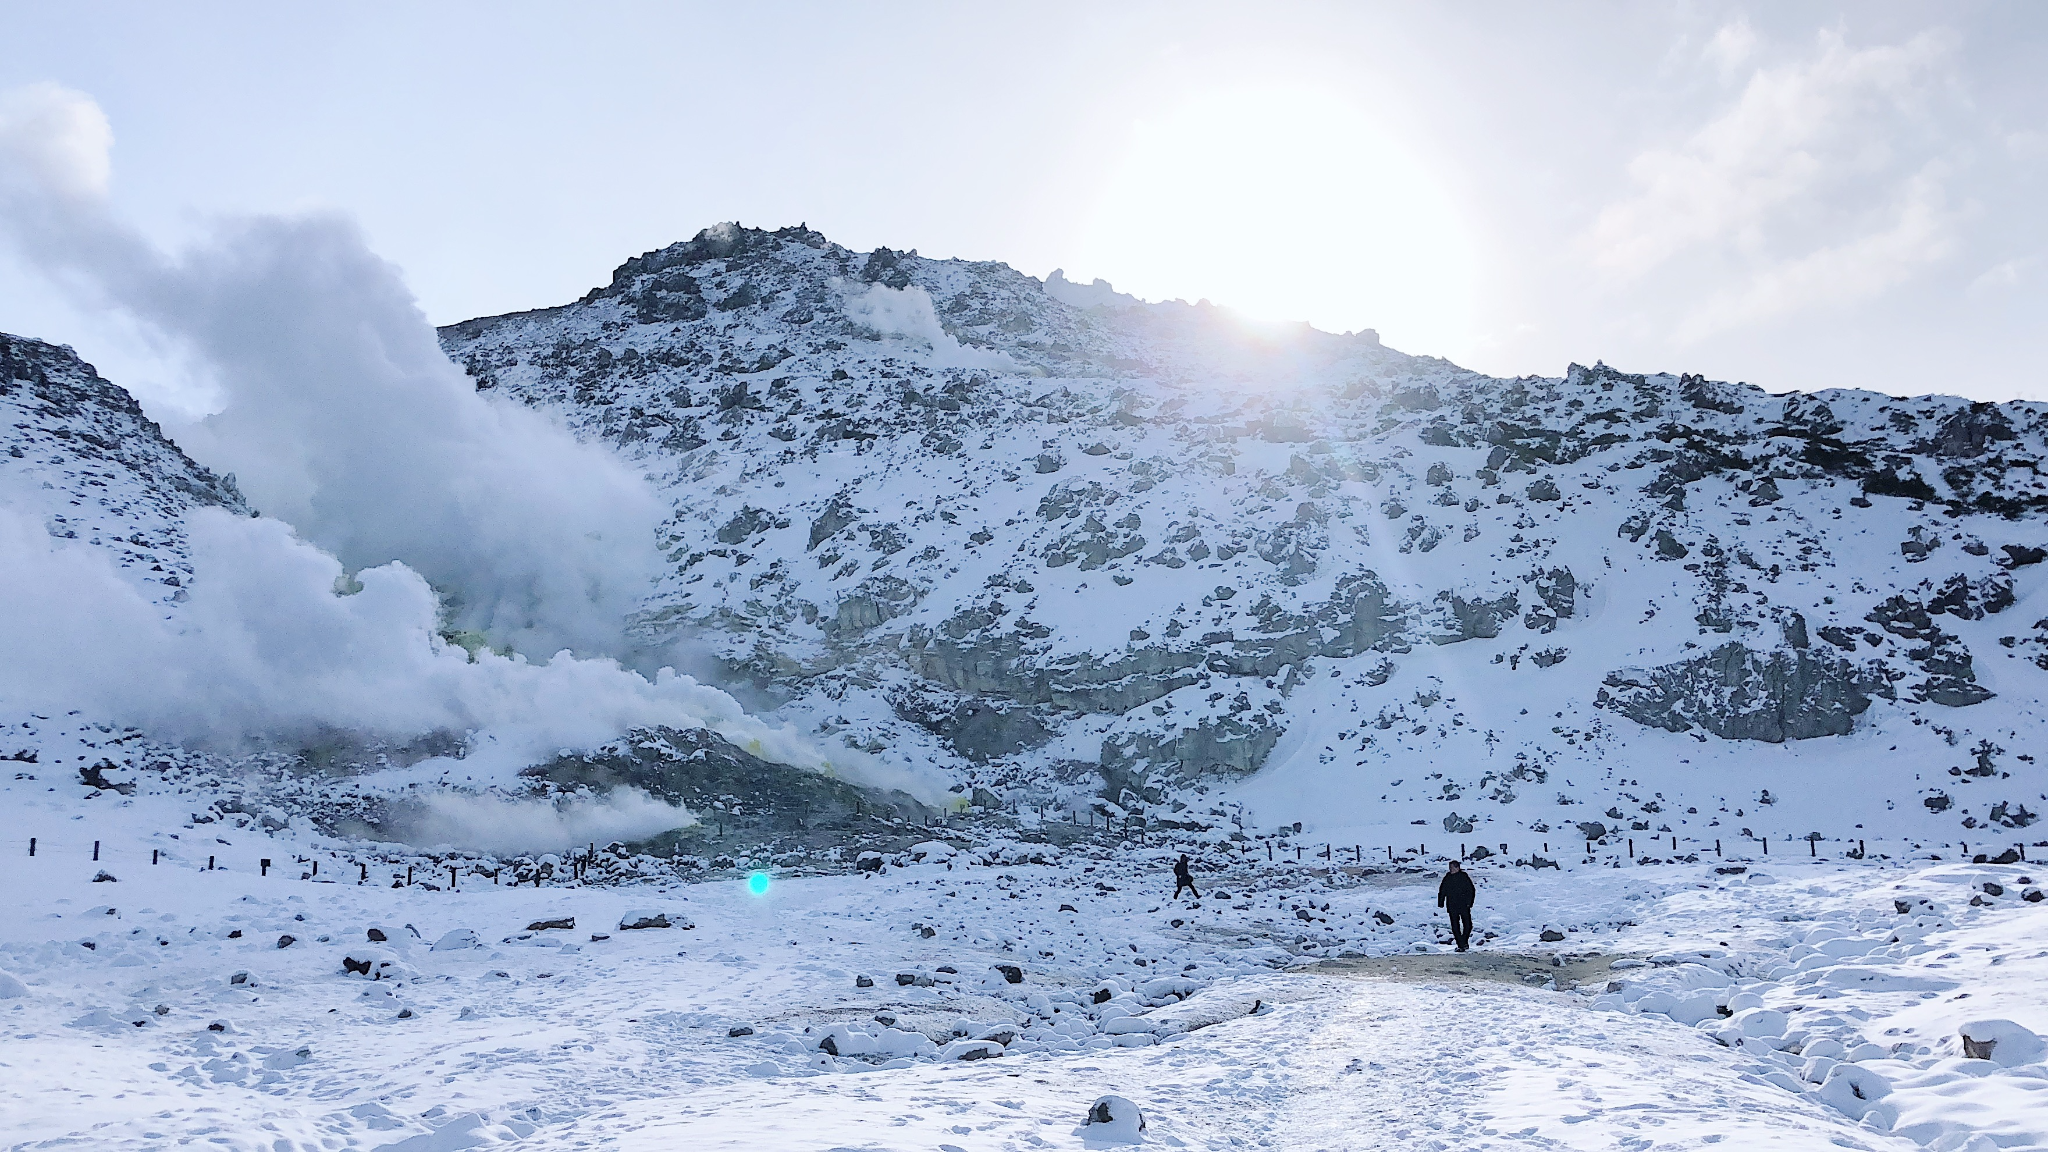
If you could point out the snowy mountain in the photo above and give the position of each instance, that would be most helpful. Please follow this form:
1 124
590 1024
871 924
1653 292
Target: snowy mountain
1070 549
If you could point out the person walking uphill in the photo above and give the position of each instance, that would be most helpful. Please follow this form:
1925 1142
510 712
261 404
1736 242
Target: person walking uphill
1455 896
1184 877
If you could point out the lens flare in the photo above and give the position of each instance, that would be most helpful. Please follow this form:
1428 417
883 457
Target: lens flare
758 884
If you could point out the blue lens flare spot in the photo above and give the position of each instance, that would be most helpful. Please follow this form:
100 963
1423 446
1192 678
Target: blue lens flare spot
758 883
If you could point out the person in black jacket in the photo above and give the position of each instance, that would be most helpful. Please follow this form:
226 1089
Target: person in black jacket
1184 877
1455 896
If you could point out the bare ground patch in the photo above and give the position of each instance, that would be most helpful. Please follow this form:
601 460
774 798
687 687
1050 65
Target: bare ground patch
1536 969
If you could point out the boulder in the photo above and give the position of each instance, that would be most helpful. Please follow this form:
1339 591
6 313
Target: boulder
564 922
863 981
287 940
374 964
1551 936
1114 1120
457 940
644 918
971 1050
1012 974
2002 1042
1853 1090
11 988
377 936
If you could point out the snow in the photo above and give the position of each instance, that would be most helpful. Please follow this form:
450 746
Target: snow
1790 1005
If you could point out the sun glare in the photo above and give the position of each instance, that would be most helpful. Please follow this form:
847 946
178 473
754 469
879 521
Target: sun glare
1286 205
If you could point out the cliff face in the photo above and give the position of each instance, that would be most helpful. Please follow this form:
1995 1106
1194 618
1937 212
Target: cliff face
80 455
1060 542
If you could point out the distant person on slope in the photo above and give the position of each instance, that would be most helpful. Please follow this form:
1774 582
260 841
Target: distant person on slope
1184 877
1455 896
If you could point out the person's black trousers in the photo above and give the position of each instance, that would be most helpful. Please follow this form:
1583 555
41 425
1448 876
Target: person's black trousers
1461 926
1187 884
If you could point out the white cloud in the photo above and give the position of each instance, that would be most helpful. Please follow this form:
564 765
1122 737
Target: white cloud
56 138
907 314
266 647
1814 187
496 823
1917 234
1732 46
340 412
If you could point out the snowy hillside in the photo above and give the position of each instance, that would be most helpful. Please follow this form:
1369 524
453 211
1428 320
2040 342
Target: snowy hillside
1077 551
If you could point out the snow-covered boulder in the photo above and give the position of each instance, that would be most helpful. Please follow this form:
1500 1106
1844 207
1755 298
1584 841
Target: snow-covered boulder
2002 1042
1690 1008
1853 1090
11 988
971 1050
933 852
457 940
1114 1120
372 964
651 918
1129 1025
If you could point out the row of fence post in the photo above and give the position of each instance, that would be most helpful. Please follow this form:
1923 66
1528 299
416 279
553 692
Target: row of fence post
1764 842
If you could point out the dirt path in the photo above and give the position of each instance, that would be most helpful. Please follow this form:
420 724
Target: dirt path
1539 969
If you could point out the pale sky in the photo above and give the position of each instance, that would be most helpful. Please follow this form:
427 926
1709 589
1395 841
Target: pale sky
1797 195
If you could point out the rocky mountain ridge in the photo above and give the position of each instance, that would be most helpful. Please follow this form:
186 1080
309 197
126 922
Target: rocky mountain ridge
1072 548
81 456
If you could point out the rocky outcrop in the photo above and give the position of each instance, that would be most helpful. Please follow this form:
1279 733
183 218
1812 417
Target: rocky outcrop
1738 694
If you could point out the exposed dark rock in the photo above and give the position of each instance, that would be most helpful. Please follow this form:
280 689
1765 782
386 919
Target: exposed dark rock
1738 694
